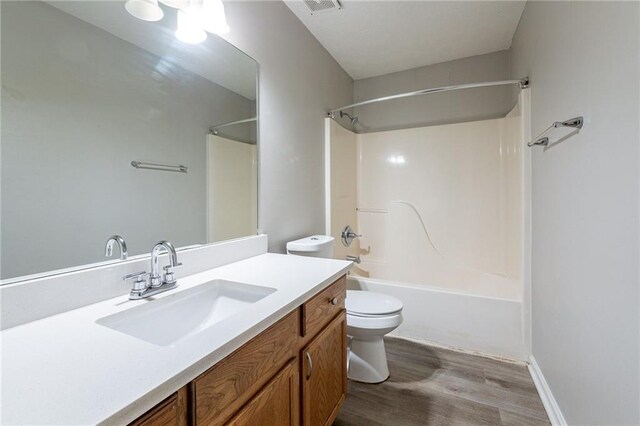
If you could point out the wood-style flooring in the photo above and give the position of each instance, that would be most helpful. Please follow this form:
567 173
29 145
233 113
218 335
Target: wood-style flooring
434 386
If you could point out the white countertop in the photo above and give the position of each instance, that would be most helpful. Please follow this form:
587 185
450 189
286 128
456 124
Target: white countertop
68 370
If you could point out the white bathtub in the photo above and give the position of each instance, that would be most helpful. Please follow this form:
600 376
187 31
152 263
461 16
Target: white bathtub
489 325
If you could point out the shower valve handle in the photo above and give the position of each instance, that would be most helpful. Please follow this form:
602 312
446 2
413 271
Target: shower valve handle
348 235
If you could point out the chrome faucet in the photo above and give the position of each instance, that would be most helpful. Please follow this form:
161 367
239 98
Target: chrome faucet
160 248
116 239
155 284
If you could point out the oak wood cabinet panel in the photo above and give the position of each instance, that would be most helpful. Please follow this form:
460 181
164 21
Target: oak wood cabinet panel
227 386
170 412
323 307
277 404
324 374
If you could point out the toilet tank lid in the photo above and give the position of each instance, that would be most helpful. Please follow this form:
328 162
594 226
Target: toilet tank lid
310 244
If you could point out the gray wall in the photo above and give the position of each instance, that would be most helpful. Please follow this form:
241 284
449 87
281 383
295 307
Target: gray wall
299 82
438 108
78 105
583 59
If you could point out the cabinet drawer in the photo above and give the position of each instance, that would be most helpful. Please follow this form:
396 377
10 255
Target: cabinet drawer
227 386
323 307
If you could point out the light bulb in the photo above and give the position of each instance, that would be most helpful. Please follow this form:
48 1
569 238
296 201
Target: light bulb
176 4
189 28
213 17
147 10
396 159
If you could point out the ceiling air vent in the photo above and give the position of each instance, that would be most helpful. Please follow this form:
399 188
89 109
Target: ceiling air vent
318 6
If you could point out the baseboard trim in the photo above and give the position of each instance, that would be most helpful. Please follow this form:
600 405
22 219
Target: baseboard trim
550 405
460 349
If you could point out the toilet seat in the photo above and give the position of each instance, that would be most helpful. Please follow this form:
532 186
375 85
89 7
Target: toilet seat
373 322
368 304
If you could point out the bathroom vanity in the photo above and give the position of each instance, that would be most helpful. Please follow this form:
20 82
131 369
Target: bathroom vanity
292 373
259 337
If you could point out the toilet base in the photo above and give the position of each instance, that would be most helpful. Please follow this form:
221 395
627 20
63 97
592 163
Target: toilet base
367 360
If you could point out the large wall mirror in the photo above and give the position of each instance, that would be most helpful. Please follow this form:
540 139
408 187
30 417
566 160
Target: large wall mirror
108 128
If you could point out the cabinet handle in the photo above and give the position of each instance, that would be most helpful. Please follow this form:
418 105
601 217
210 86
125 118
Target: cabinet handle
310 363
334 300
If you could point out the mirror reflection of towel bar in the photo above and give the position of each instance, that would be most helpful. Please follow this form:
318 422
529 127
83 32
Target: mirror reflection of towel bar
162 167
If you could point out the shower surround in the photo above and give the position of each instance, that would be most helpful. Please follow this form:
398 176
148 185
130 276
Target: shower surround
441 213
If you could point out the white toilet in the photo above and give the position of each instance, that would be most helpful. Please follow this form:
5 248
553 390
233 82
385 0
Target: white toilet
370 316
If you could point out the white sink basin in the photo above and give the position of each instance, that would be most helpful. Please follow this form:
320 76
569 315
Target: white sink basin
172 318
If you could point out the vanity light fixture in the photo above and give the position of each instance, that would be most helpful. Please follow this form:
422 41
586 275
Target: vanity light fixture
147 10
214 18
189 28
195 17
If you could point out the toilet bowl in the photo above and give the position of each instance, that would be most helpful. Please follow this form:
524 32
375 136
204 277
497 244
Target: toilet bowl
370 316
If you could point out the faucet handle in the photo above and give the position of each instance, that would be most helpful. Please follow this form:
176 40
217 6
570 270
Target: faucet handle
136 275
169 267
169 278
140 280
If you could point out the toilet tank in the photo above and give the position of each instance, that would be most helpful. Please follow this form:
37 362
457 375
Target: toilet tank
313 246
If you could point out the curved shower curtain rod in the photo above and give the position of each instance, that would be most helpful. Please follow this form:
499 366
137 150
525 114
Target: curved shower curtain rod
522 82
214 129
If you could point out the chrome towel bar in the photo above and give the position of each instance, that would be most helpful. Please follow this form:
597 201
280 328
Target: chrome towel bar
543 140
162 167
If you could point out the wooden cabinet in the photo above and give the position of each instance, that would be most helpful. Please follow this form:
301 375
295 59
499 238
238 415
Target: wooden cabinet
323 307
277 404
170 412
223 389
324 375
294 372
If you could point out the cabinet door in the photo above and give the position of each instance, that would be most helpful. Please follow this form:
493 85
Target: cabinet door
226 387
277 404
170 412
324 375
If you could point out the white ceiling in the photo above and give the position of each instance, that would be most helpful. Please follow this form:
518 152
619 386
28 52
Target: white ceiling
370 38
215 59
